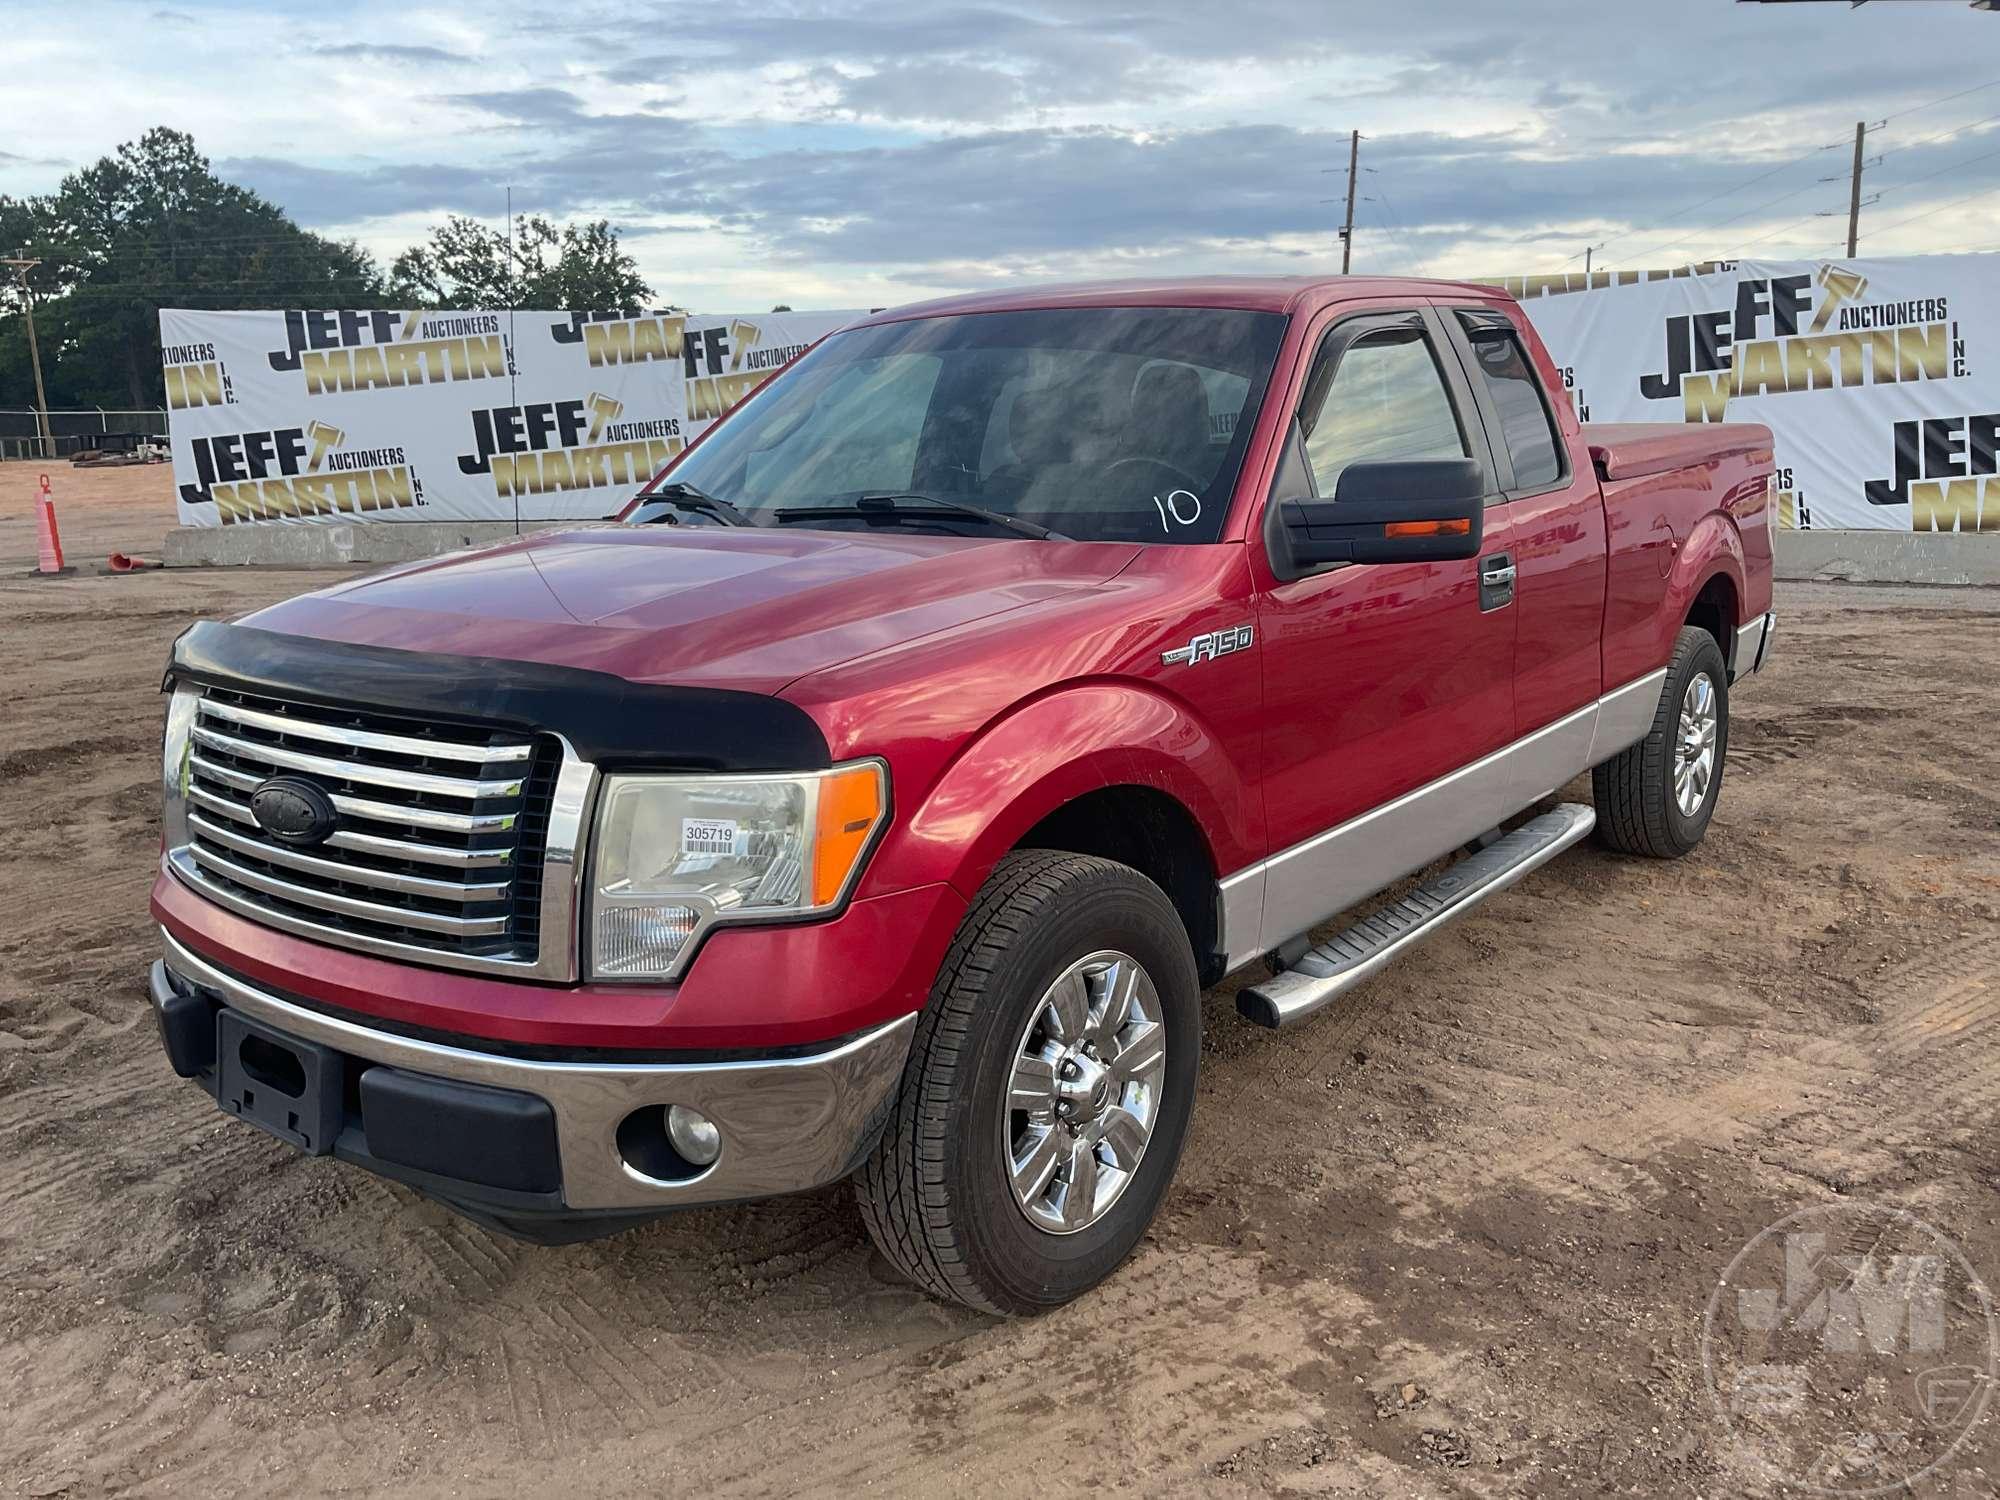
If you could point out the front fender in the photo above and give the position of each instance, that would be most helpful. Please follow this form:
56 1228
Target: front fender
1025 765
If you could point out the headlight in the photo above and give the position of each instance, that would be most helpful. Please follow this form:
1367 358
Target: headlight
676 855
174 750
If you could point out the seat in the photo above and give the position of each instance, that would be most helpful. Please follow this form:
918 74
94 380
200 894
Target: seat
1170 420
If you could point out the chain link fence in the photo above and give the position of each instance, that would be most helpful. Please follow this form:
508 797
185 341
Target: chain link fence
76 430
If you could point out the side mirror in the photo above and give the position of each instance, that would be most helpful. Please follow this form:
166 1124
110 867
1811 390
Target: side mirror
1401 510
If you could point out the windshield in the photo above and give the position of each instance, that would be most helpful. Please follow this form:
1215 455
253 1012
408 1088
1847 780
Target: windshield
1104 424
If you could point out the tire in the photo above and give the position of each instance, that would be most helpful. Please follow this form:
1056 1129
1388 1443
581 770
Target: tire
1639 810
938 1194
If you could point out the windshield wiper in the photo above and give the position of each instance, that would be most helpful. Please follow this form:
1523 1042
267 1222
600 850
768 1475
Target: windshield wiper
886 505
684 496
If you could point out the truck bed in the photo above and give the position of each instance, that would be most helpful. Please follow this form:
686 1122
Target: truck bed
1630 450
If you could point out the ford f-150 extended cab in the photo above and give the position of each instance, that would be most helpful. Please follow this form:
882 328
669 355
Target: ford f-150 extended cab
878 796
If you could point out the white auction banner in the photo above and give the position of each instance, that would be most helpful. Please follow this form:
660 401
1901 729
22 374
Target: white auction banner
1879 378
312 416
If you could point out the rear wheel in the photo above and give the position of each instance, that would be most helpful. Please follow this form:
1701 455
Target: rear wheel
1658 796
1048 1089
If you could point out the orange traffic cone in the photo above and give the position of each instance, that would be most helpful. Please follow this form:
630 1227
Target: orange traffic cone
48 544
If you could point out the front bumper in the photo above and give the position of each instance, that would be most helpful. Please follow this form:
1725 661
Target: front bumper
787 1123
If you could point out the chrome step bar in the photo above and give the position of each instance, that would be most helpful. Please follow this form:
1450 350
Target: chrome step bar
1336 966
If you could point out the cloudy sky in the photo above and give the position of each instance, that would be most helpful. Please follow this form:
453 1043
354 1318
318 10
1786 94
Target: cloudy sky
830 154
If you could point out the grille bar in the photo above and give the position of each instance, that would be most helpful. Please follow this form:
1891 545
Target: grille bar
364 843
366 772
367 739
438 840
334 869
362 807
324 900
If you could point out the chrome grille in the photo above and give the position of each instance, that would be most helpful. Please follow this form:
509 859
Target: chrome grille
440 835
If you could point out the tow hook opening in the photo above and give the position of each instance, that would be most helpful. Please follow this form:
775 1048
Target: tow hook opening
653 1147
272 1066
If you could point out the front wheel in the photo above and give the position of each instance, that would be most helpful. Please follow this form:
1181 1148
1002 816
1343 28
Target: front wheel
1048 1089
1657 797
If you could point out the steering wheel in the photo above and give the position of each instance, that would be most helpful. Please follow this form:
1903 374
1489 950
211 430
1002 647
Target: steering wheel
1181 478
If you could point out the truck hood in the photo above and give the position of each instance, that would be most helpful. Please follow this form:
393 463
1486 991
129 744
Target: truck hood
703 606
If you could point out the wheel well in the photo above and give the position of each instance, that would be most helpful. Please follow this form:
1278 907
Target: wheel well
1714 610
1159 838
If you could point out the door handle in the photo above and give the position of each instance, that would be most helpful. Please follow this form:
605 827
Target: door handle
1496 581
1497 570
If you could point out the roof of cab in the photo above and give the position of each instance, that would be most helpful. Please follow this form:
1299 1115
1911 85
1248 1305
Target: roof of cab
1257 293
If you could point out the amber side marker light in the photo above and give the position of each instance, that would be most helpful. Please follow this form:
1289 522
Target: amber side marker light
850 805
1459 527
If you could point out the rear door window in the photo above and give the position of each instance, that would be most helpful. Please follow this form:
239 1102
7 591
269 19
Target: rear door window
1525 425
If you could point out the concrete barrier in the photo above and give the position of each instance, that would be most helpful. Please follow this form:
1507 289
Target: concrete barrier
333 546
1950 557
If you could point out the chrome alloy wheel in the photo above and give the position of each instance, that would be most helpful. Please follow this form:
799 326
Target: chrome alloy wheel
1694 745
1084 1094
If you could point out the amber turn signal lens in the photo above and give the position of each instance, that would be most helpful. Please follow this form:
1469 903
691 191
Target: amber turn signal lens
1459 527
850 805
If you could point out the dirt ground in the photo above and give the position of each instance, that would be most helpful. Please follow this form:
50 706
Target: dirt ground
1455 1239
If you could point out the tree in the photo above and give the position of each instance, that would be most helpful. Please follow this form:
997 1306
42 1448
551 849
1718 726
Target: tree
465 265
152 226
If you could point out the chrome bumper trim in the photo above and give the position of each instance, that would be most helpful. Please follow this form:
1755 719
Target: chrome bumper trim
787 1123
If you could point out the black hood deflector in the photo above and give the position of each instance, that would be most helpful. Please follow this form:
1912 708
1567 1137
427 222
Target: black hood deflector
610 722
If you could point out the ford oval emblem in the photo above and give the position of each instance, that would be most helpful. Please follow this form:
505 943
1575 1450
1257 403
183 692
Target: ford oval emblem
292 810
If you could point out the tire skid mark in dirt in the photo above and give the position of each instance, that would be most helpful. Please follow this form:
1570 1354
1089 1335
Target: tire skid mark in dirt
1956 1001
966 1402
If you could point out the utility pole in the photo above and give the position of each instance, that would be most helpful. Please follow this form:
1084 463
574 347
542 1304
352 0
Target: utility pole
1353 176
22 266
1586 263
1854 193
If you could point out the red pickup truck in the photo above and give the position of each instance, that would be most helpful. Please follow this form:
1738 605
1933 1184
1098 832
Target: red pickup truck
879 796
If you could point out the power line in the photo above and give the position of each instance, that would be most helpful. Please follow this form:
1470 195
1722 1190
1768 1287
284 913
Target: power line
1952 167
1713 197
1977 88
1391 225
1733 254
1672 218
1375 212
1941 135
1931 212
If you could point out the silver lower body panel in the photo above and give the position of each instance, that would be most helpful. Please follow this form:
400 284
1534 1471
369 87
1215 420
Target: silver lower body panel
1272 902
1753 645
786 1123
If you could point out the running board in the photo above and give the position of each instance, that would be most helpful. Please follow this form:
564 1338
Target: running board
1338 965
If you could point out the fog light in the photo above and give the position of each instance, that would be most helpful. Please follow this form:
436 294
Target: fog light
694 1135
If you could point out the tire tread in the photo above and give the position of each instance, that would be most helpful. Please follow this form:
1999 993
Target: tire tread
901 1187
1630 790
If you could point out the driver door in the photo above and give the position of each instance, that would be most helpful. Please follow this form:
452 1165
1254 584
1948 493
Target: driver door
1383 682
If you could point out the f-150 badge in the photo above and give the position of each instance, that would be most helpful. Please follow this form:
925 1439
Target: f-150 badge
1208 647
